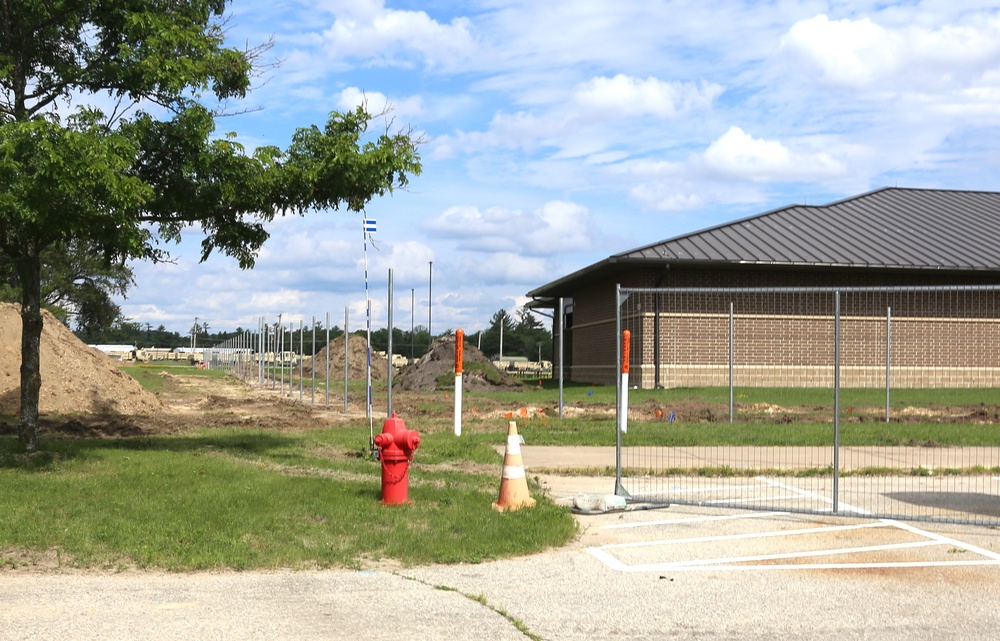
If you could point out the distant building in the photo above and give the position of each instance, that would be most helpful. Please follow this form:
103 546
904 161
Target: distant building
889 237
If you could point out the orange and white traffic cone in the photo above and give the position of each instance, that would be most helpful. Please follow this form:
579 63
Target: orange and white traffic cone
513 485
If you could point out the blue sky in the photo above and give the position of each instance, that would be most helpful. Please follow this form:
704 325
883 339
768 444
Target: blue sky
558 133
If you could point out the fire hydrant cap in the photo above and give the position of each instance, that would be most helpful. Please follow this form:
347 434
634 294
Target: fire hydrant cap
393 424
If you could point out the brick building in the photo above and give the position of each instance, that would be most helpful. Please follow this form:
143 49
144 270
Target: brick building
890 238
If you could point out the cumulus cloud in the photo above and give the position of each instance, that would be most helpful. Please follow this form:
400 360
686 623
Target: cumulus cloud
861 53
406 109
406 259
507 268
738 155
631 97
392 37
556 227
665 197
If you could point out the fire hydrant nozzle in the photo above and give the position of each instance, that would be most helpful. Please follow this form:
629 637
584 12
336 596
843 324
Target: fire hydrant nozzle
396 445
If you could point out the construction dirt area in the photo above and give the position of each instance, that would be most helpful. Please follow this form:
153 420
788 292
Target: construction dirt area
85 394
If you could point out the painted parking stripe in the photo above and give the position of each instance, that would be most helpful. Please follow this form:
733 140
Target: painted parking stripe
697 519
619 566
812 495
753 535
946 540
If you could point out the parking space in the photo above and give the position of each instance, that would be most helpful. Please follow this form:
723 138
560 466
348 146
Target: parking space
689 538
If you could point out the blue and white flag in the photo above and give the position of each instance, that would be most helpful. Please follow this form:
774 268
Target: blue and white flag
369 225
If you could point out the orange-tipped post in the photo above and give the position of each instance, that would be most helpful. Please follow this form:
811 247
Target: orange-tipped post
514 493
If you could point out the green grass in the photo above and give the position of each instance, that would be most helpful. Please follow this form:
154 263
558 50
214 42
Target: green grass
150 375
267 499
254 500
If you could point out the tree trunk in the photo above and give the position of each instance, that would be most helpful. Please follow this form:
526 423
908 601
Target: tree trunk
30 273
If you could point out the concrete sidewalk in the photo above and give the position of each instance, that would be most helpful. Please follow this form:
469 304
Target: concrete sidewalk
564 594
550 457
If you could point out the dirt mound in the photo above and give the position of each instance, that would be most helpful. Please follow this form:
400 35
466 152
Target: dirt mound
436 369
357 360
75 378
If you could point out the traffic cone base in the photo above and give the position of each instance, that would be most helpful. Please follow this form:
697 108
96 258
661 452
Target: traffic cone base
514 493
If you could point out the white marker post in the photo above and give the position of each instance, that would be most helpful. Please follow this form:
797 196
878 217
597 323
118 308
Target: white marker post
459 349
623 408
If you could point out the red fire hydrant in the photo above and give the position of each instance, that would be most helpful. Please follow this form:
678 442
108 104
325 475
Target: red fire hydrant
396 445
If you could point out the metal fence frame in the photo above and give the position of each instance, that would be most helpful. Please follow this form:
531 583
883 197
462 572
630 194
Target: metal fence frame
959 484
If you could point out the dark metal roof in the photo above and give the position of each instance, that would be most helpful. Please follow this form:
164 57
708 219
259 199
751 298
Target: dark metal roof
895 228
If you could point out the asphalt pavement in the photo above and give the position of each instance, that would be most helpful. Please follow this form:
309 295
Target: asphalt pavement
653 574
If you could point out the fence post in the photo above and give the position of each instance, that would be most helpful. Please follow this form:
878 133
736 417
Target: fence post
327 349
562 328
459 355
347 333
836 401
312 360
732 343
619 490
888 357
623 403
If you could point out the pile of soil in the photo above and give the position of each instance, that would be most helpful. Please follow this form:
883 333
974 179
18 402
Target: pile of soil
425 375
357 360
75 378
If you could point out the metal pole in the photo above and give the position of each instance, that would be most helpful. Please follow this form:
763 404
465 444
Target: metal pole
280 357
656 341
411 324
368 370
346 366
562 328
618 389
302 353
312 360
732 343
389 351
327 377
836 402
888 358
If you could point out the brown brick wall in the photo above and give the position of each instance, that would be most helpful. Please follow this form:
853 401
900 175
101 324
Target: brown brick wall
787 338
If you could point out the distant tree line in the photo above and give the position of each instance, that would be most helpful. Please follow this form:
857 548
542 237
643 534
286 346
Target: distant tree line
523 336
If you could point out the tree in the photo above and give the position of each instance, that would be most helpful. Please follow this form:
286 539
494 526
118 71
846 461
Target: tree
127 178
494 336
77 285
530 336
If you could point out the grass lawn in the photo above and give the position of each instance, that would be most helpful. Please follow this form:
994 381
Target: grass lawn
237 499
304 498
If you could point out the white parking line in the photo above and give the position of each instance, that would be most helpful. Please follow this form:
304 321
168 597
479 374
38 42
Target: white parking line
754 562
696 519
751 535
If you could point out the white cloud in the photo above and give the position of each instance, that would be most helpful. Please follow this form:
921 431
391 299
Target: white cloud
408 260
405 109
508 268
556 227
848 52
738 155
391 37
664 197
627 96
862 53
